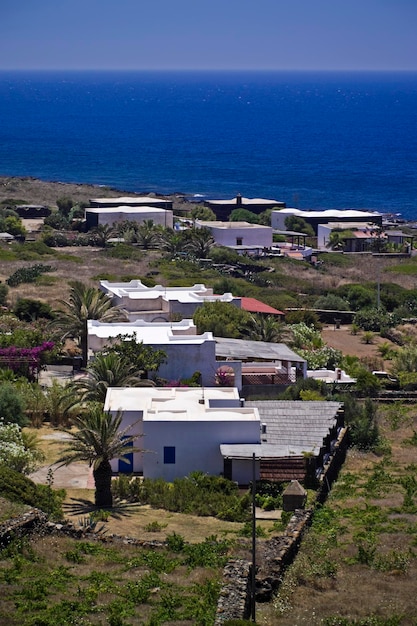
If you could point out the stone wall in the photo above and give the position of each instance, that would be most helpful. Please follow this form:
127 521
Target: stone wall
25 524
275 555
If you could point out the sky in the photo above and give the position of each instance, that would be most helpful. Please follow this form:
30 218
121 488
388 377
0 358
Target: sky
208 34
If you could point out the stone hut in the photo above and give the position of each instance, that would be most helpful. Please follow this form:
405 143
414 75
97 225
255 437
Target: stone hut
294 496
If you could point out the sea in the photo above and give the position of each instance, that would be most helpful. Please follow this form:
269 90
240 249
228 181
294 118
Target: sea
314 140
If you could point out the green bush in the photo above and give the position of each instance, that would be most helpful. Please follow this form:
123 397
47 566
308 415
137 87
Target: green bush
375 320
12 405
197 494
4 290
19 488
28 274
28 309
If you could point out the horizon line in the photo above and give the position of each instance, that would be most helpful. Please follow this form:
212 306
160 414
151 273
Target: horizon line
213 69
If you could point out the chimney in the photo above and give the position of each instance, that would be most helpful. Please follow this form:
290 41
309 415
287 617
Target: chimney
238 200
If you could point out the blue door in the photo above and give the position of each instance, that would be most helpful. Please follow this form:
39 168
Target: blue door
126 467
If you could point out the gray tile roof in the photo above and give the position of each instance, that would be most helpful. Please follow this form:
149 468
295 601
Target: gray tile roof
243 349
297 424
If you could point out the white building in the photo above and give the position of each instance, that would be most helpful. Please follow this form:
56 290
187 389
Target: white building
240 236
129 201
111 215
186 351
182 430
223 208
159 303
323 217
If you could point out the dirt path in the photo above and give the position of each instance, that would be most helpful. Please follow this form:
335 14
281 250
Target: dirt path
342 339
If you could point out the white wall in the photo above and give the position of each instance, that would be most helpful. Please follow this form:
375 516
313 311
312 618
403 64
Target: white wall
257 236
323 236
110 217
278 218
130 417
197 446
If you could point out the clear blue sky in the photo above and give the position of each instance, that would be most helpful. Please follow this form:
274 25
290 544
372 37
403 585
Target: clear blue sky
209 34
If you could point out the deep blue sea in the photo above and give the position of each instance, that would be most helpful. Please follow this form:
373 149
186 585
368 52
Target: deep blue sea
312 140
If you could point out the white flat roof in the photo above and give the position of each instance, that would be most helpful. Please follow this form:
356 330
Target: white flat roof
170 404
136 290
232 225
130 199
149 333
245 201
336 213
125 209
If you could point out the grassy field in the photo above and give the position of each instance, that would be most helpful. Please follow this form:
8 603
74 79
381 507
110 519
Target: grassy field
357 564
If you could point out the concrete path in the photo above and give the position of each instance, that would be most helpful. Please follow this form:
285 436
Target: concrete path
74 476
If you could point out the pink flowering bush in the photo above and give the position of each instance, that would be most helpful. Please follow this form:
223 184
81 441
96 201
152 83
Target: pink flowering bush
25 361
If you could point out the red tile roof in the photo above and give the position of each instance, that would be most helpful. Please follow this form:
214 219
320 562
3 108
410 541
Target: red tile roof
256 306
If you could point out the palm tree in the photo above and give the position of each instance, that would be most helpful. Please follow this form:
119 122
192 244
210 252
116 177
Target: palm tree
97 440
102 233
84 303
201 242
147 234
105 371
267 328
172 242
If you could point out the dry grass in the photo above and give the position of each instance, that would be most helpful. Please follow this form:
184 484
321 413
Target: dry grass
133 520
383 588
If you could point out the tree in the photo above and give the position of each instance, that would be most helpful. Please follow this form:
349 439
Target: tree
141 357
223 319
28 309
201 242
203 213
172 242
147 235
299 225
105 371
97 440
84 303
57 221
243 215
337 239
11 405
331 302
261 328
64 204
102 233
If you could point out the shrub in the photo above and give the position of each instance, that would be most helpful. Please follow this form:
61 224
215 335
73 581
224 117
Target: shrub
56 240
4 290
362 422
28 274
331 302
11 405
197 493
28 309
375 320
14 452
19 488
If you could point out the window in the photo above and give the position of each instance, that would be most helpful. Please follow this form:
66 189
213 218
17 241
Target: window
169 454
239 241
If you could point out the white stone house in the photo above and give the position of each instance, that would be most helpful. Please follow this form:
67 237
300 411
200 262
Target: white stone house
131 201
314 218
182 430
111 215
160 303
186 351
240 236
